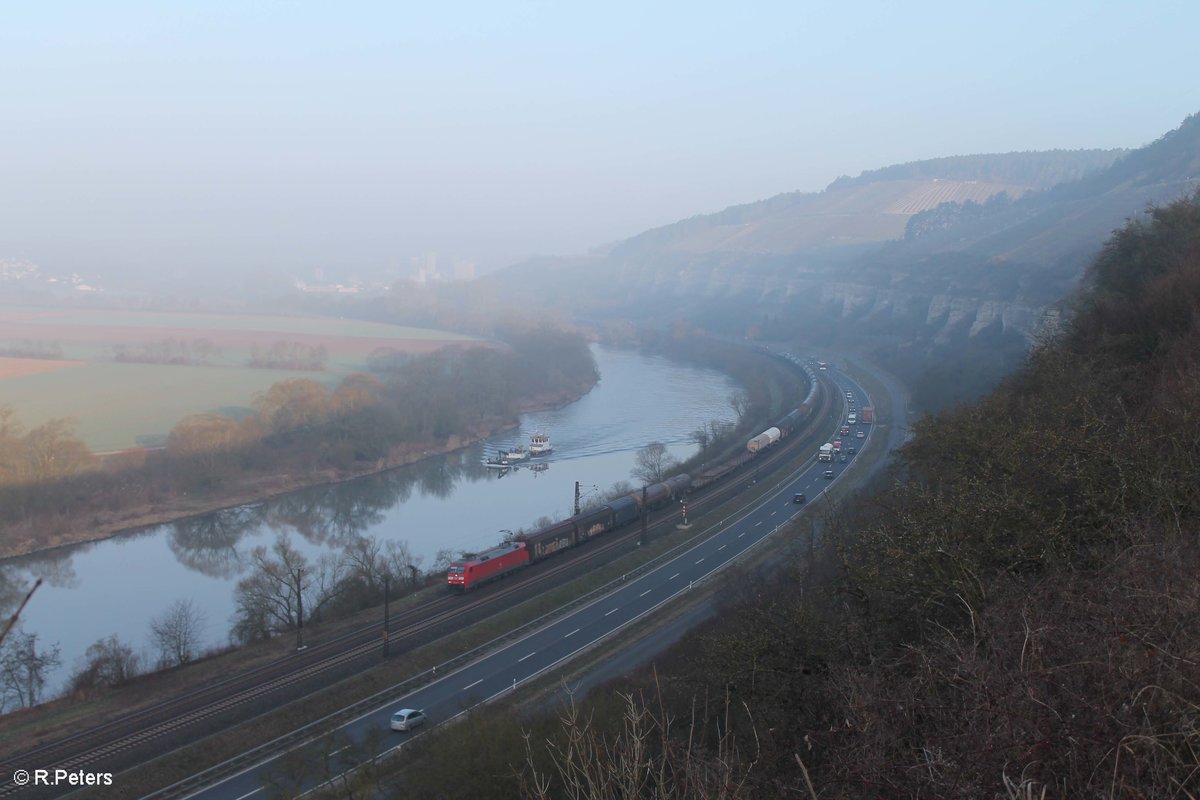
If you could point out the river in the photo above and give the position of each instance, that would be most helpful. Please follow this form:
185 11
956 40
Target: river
445 503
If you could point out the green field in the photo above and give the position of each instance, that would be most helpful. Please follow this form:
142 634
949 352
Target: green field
121 405
127 405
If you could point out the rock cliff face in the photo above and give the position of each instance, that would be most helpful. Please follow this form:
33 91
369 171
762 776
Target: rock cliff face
998 242
879 302
945 316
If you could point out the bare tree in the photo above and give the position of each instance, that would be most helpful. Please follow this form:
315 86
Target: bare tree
701 437
644 757
107 663
619 489
652 463
23 669
739 401
403 565
442 560
366 563
177 632
284 590
370 562
718 429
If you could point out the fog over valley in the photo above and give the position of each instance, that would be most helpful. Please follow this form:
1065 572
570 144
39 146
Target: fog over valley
531 400
202 145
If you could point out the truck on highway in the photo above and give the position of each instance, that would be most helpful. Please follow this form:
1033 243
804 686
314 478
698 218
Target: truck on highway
868 415
826 453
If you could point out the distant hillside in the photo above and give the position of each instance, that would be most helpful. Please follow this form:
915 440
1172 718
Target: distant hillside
914 259
874 207
1012 614
1035 169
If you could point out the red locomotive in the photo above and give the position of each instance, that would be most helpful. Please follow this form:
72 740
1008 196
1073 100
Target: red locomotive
487 566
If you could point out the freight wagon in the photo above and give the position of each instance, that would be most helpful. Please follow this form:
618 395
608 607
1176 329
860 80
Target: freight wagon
533 547
765 439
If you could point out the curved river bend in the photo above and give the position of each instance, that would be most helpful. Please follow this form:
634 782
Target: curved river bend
450 502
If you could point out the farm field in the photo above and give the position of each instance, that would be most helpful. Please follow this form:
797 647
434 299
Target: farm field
91 334
121 405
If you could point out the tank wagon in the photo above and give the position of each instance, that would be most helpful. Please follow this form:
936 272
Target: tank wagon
764 440
531 548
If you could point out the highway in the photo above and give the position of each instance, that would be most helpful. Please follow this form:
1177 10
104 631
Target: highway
547 648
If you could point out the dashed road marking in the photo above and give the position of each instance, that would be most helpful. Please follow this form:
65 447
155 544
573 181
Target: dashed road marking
531 655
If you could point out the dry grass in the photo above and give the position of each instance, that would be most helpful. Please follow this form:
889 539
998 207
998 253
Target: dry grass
20 367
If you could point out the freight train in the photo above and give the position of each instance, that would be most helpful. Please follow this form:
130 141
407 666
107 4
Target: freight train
533 547
530 548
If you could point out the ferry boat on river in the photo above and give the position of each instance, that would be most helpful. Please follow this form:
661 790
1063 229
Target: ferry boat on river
506 459
540 445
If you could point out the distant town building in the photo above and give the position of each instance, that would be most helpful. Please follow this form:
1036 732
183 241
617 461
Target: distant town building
425 270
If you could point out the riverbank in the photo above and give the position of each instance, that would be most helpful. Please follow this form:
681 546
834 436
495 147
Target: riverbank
49 533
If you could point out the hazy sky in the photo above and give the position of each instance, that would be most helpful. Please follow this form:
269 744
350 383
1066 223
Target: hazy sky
293 135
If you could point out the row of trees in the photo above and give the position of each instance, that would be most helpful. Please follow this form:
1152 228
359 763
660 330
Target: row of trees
168 351
283 591
289 355
280 355
26 663
286 590
31 348
41 455
300 426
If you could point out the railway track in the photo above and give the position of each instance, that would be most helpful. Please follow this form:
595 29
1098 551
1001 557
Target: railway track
183 718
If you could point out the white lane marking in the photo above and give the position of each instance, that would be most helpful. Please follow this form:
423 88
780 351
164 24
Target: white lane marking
673 577
772 513
643 594
476 683
701 561
740 535
247 794
758 523
572 633
722 547
531 655
615 610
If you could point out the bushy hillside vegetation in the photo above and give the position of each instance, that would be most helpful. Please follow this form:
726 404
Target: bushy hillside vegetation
1016 615
1041 169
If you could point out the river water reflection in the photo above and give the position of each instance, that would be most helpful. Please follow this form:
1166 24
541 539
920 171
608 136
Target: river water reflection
450 502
